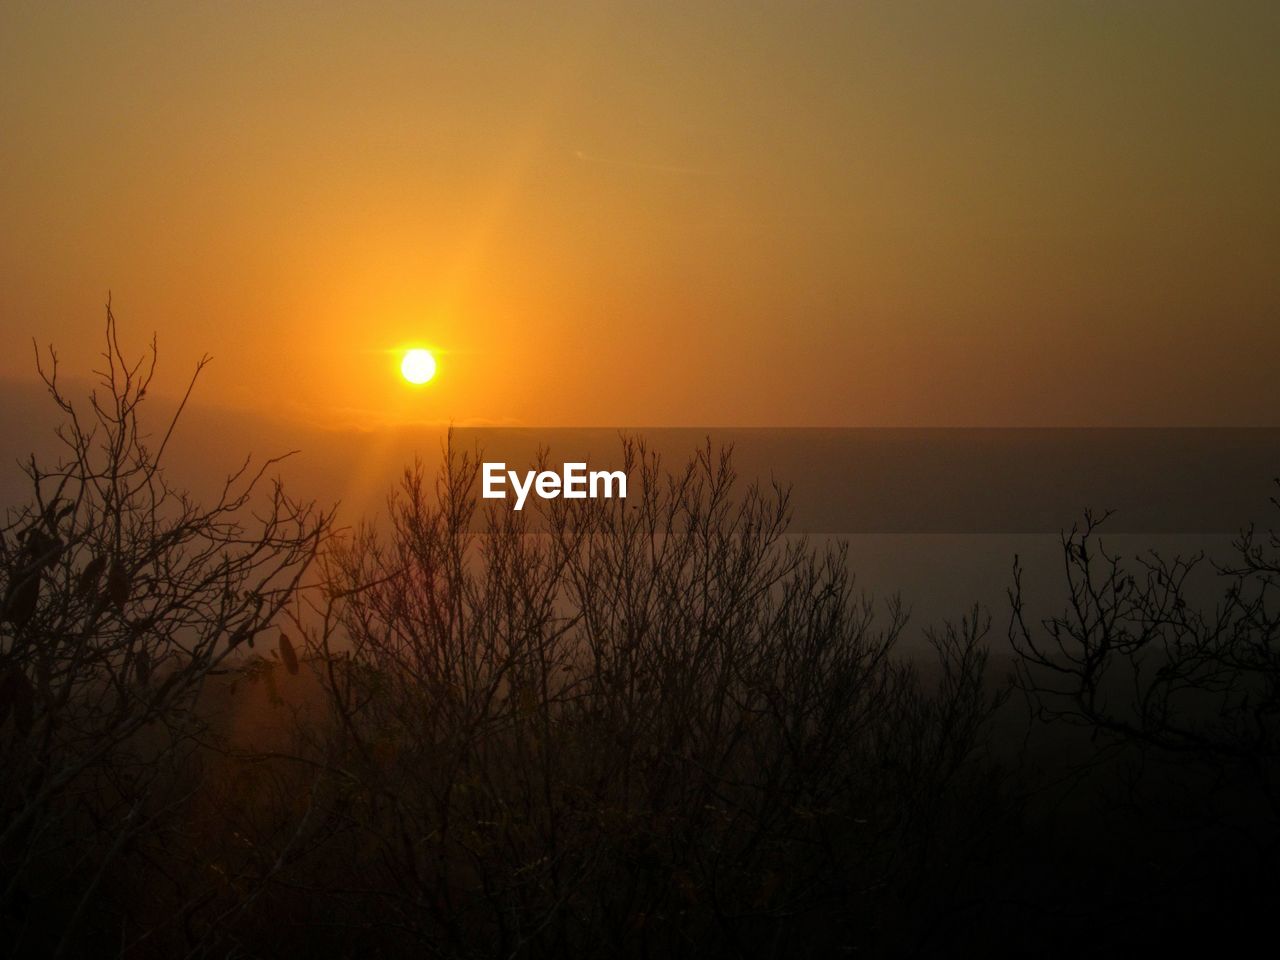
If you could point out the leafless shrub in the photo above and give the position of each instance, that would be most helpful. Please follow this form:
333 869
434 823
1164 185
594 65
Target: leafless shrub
1137 660
121 597
1169 669
651 725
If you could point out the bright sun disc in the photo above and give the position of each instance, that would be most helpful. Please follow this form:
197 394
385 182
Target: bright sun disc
418 366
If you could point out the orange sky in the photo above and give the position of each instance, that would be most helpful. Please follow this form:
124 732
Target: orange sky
629 214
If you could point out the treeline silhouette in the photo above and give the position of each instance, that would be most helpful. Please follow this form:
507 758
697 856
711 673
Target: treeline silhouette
648 728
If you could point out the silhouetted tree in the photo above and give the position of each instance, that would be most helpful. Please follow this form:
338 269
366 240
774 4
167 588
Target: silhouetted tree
121 596
644 726
1171 667
1137 660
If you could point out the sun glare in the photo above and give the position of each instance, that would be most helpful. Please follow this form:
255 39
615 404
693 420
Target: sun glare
418 366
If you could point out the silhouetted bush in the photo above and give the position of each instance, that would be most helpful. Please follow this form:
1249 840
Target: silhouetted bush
121 597
1168 670
652 726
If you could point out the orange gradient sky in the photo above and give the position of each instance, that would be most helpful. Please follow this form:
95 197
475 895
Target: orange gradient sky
633 214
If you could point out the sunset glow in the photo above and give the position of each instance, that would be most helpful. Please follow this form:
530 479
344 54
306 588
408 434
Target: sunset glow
573 202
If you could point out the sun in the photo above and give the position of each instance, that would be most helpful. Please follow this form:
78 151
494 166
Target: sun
418 366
